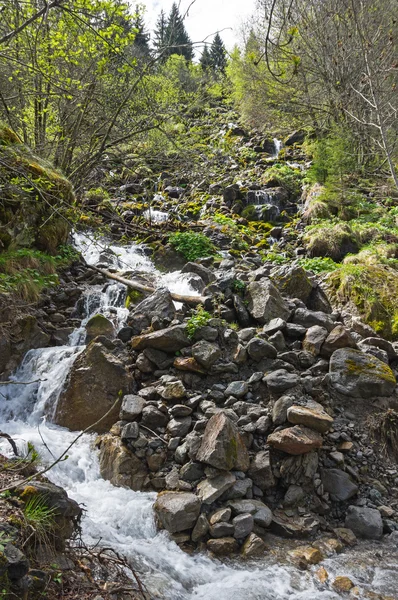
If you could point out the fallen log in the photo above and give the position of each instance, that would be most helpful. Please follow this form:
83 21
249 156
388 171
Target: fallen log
136 285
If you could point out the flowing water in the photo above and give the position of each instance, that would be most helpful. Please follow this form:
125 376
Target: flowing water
124 519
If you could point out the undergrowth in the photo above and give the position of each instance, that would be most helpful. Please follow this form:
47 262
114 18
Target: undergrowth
192 245
200 318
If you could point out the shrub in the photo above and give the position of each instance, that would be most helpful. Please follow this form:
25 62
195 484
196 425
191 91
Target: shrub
200 318
319 264
280 175
192 245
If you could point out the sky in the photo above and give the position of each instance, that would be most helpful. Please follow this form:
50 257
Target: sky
205 17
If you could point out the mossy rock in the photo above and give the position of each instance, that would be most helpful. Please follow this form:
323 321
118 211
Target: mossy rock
99 325
333 241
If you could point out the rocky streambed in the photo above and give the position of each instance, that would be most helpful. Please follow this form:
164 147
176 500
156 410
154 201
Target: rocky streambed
242 435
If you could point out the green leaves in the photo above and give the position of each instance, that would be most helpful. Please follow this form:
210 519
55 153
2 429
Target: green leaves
192 245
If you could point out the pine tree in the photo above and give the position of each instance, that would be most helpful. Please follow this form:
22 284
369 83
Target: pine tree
218 54
205 60
141 40
160 33
177 40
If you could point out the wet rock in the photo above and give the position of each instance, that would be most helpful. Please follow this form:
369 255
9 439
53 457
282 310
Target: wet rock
99 325
342 584
339 484
346 536
364 522
125 334
359 375
314 339
177 511
119 466
253 547
159 304
303 556
295 440
169 340
96 379
243 525
259 349
223 546
132 407
339 337
281 380
262 515
260 470
209 490
312 416
204 273
294 527
222 446
201 528
265 302
206 353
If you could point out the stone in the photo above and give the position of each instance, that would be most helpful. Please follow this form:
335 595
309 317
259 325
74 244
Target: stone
153 418
237 389
132 407
308 318
191 471
339 337
243 525
322 575
159 304
314 339
281 380
259 349
265 302
177 511
15 561
295 440
209 490
346 536
358 375
158 358
96 380
169 340
312 416
280 408
99 325
222 546
292 281
224 514
274 326
188 364
303 556
222 446
262 515
206 353
253 547
119 466
206 274
131 431
238 490
201 528
173 390
297 137
219 530
342 584
260 470
299 470
125 334
364 522
180 410
294 527
179 427
294 495
339 484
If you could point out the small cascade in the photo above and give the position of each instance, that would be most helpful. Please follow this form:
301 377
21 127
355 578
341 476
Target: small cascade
156 216
278 146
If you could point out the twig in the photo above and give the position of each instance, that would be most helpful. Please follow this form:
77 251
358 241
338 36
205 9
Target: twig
11 441
154 433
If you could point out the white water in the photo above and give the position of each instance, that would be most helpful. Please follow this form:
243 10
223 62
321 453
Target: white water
156 216
278 146
119 517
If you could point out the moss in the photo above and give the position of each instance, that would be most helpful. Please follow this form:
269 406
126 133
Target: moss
334 241
368 365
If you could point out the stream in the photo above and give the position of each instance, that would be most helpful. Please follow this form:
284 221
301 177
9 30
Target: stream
122 518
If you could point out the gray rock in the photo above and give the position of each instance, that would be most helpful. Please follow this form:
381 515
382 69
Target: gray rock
265 302
359 375
219 530
180 410
172 390
314 338
243 525
253 547
274 325
259 349
261 513
280 408
365 522
339 484
260 470
169 340
237 389
308 318
222 446
339 337
313 415
280 380
201 528
159 304
177 511
15 561
209 490
206 353
132 407
179 427
238 490
153 418
131 431
206 274
224 514
293 281
191 471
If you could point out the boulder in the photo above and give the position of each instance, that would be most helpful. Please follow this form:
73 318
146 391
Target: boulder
119 466
365 522
177 511
262 515
259 349
222 546
314 339
292 281
280 408
339 337
169 340
211 489
260 470
339 484
99 325
131 408
281 380
159 304
297 137
312 416
253 547
97 378
203 272
222 446
201 528
238 389
359 375
206 353
265 302
295 440
243 525
308 318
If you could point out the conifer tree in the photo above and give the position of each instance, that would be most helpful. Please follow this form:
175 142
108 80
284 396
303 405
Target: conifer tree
205 60
218 54
177 40
141 40
160 33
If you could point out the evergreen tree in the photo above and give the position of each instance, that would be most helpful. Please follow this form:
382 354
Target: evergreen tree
141 40
205 60
218 54
177 40
160 33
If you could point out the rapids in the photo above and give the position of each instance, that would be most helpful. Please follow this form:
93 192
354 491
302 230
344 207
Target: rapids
124 519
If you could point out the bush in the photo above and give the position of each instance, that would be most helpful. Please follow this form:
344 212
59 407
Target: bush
280 175
319 264
192 245
200 318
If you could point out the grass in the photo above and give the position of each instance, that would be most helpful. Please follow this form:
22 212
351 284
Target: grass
39 518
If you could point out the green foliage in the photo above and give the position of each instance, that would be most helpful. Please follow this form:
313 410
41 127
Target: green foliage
200 318
24 273
192 245
275 257
39 517
4 540
280 175
319 264
238 286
